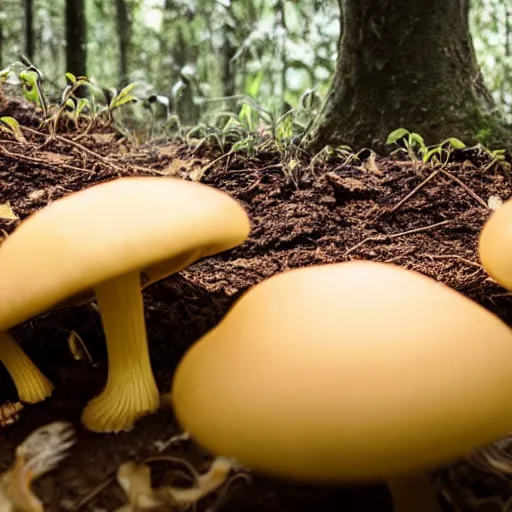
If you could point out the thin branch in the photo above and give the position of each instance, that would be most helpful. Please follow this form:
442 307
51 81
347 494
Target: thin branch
383 238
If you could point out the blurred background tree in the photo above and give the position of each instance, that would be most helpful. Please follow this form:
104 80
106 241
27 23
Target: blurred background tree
198 51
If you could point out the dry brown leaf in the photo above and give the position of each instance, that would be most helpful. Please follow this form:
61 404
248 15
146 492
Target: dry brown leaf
166 151
54 158
135 480
39 453
372 166
178 167
103 138
7 213
78 348
9 413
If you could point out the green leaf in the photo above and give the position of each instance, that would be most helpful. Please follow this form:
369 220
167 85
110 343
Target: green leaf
396 135
4 74
417 138
431 153
254 84
82 103
71 77
13 127
454 143
246 117
126 91
123 101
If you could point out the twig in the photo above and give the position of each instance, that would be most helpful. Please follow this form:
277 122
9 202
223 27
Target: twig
451 257
92 494
42 162
88 151
408 252
500 295
382 238
421 185
270 167
207 167
475 196
34 132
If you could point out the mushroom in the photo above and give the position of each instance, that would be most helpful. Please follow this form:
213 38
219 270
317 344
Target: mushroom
31 385
357 371
103 239
495 245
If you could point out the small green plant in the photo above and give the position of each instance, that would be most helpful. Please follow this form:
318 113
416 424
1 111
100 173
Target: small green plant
496 156
413 145
342 153
77 105
10 125
123 97
31 80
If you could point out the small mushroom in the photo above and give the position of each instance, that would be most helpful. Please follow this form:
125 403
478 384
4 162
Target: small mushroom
357 371
102 239
495 245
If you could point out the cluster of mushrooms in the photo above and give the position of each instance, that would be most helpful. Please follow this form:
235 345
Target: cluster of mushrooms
356 371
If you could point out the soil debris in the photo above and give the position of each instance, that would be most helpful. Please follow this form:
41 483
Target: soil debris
417 216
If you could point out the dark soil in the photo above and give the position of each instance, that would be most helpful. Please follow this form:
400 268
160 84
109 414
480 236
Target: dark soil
342 211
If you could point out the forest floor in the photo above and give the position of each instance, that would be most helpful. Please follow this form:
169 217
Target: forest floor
339 212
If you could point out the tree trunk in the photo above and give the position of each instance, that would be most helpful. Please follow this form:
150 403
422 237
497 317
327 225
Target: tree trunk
76 51
28 6
1 43
405 64
228 52
124 33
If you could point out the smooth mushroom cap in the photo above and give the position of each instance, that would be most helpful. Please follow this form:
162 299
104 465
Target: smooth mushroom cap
142 224
495 245
351 371
103 240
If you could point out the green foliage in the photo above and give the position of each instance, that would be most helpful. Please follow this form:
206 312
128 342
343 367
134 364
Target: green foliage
193 50
413 145
279 53
10 125
491 27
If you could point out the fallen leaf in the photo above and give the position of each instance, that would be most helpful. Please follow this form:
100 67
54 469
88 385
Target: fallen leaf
7 213
9 413
39 453
78 348
494 202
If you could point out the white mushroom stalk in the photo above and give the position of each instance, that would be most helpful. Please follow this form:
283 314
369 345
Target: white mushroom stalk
131 391
32 386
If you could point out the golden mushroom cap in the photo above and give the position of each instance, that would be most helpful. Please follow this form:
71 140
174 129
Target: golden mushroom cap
495 245
153 225
347 371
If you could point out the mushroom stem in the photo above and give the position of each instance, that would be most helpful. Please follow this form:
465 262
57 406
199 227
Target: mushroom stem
131 390
413 492
31 384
